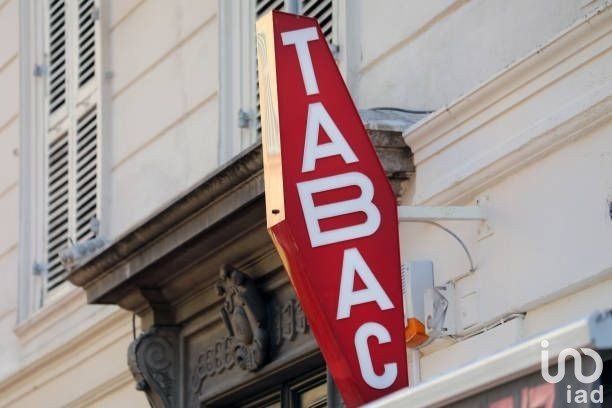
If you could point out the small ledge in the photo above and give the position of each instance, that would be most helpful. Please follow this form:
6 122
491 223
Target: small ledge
390 119
47 316
231 196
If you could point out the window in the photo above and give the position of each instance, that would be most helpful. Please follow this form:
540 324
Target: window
62 161
72 138
240 118
322 10
309 391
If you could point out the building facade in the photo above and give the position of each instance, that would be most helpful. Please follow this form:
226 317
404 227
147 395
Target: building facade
133 240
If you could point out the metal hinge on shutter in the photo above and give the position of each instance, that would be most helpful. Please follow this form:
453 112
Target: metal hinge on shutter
244 119
40 70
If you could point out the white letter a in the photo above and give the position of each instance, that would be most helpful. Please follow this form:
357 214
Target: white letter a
373 292
319 117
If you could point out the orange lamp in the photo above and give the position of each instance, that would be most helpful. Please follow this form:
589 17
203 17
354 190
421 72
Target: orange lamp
415 333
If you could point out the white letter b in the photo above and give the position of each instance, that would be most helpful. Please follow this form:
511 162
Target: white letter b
363 203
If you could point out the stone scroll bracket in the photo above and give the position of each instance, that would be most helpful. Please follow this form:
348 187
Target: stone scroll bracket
153 359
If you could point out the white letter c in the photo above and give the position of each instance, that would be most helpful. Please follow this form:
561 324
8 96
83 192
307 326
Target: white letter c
389 375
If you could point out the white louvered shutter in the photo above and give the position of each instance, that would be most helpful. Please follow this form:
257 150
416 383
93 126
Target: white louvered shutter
87 127
73 136
57 208
57 141
87 46
322 10
262 7
86 173
57 55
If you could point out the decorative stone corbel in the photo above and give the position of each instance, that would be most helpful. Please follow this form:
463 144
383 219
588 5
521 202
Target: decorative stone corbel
153 359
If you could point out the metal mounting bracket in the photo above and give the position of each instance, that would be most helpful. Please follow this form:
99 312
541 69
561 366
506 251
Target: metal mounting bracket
432 215
408 213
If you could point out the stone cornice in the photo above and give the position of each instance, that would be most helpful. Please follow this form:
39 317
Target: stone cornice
235 172
225 207
552 96
453 117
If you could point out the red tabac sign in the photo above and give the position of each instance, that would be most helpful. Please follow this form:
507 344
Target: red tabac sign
330 209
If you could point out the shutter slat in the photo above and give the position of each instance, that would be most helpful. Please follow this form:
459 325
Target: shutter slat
86 173
55 6
58 243
57 232
86 50
83 229
87 54
57 50
87 145
87 162
87 199
57 219
263 6
57 238
58 87
56 76
88 177
57 208
57 38
322 11
57 275
57 158
56 272
86 124
86 213
56 193
55 280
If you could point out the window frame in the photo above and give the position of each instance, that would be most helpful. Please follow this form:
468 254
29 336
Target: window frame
38 127
287 393
238 64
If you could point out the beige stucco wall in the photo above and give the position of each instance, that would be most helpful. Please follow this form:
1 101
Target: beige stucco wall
164 63
534 148
423 55
9 178
162 74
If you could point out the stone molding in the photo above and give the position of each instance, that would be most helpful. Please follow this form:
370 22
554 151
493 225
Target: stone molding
509 121
237 183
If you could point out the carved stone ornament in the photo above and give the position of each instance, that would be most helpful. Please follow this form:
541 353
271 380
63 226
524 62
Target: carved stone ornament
245 318
153 361
287 322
